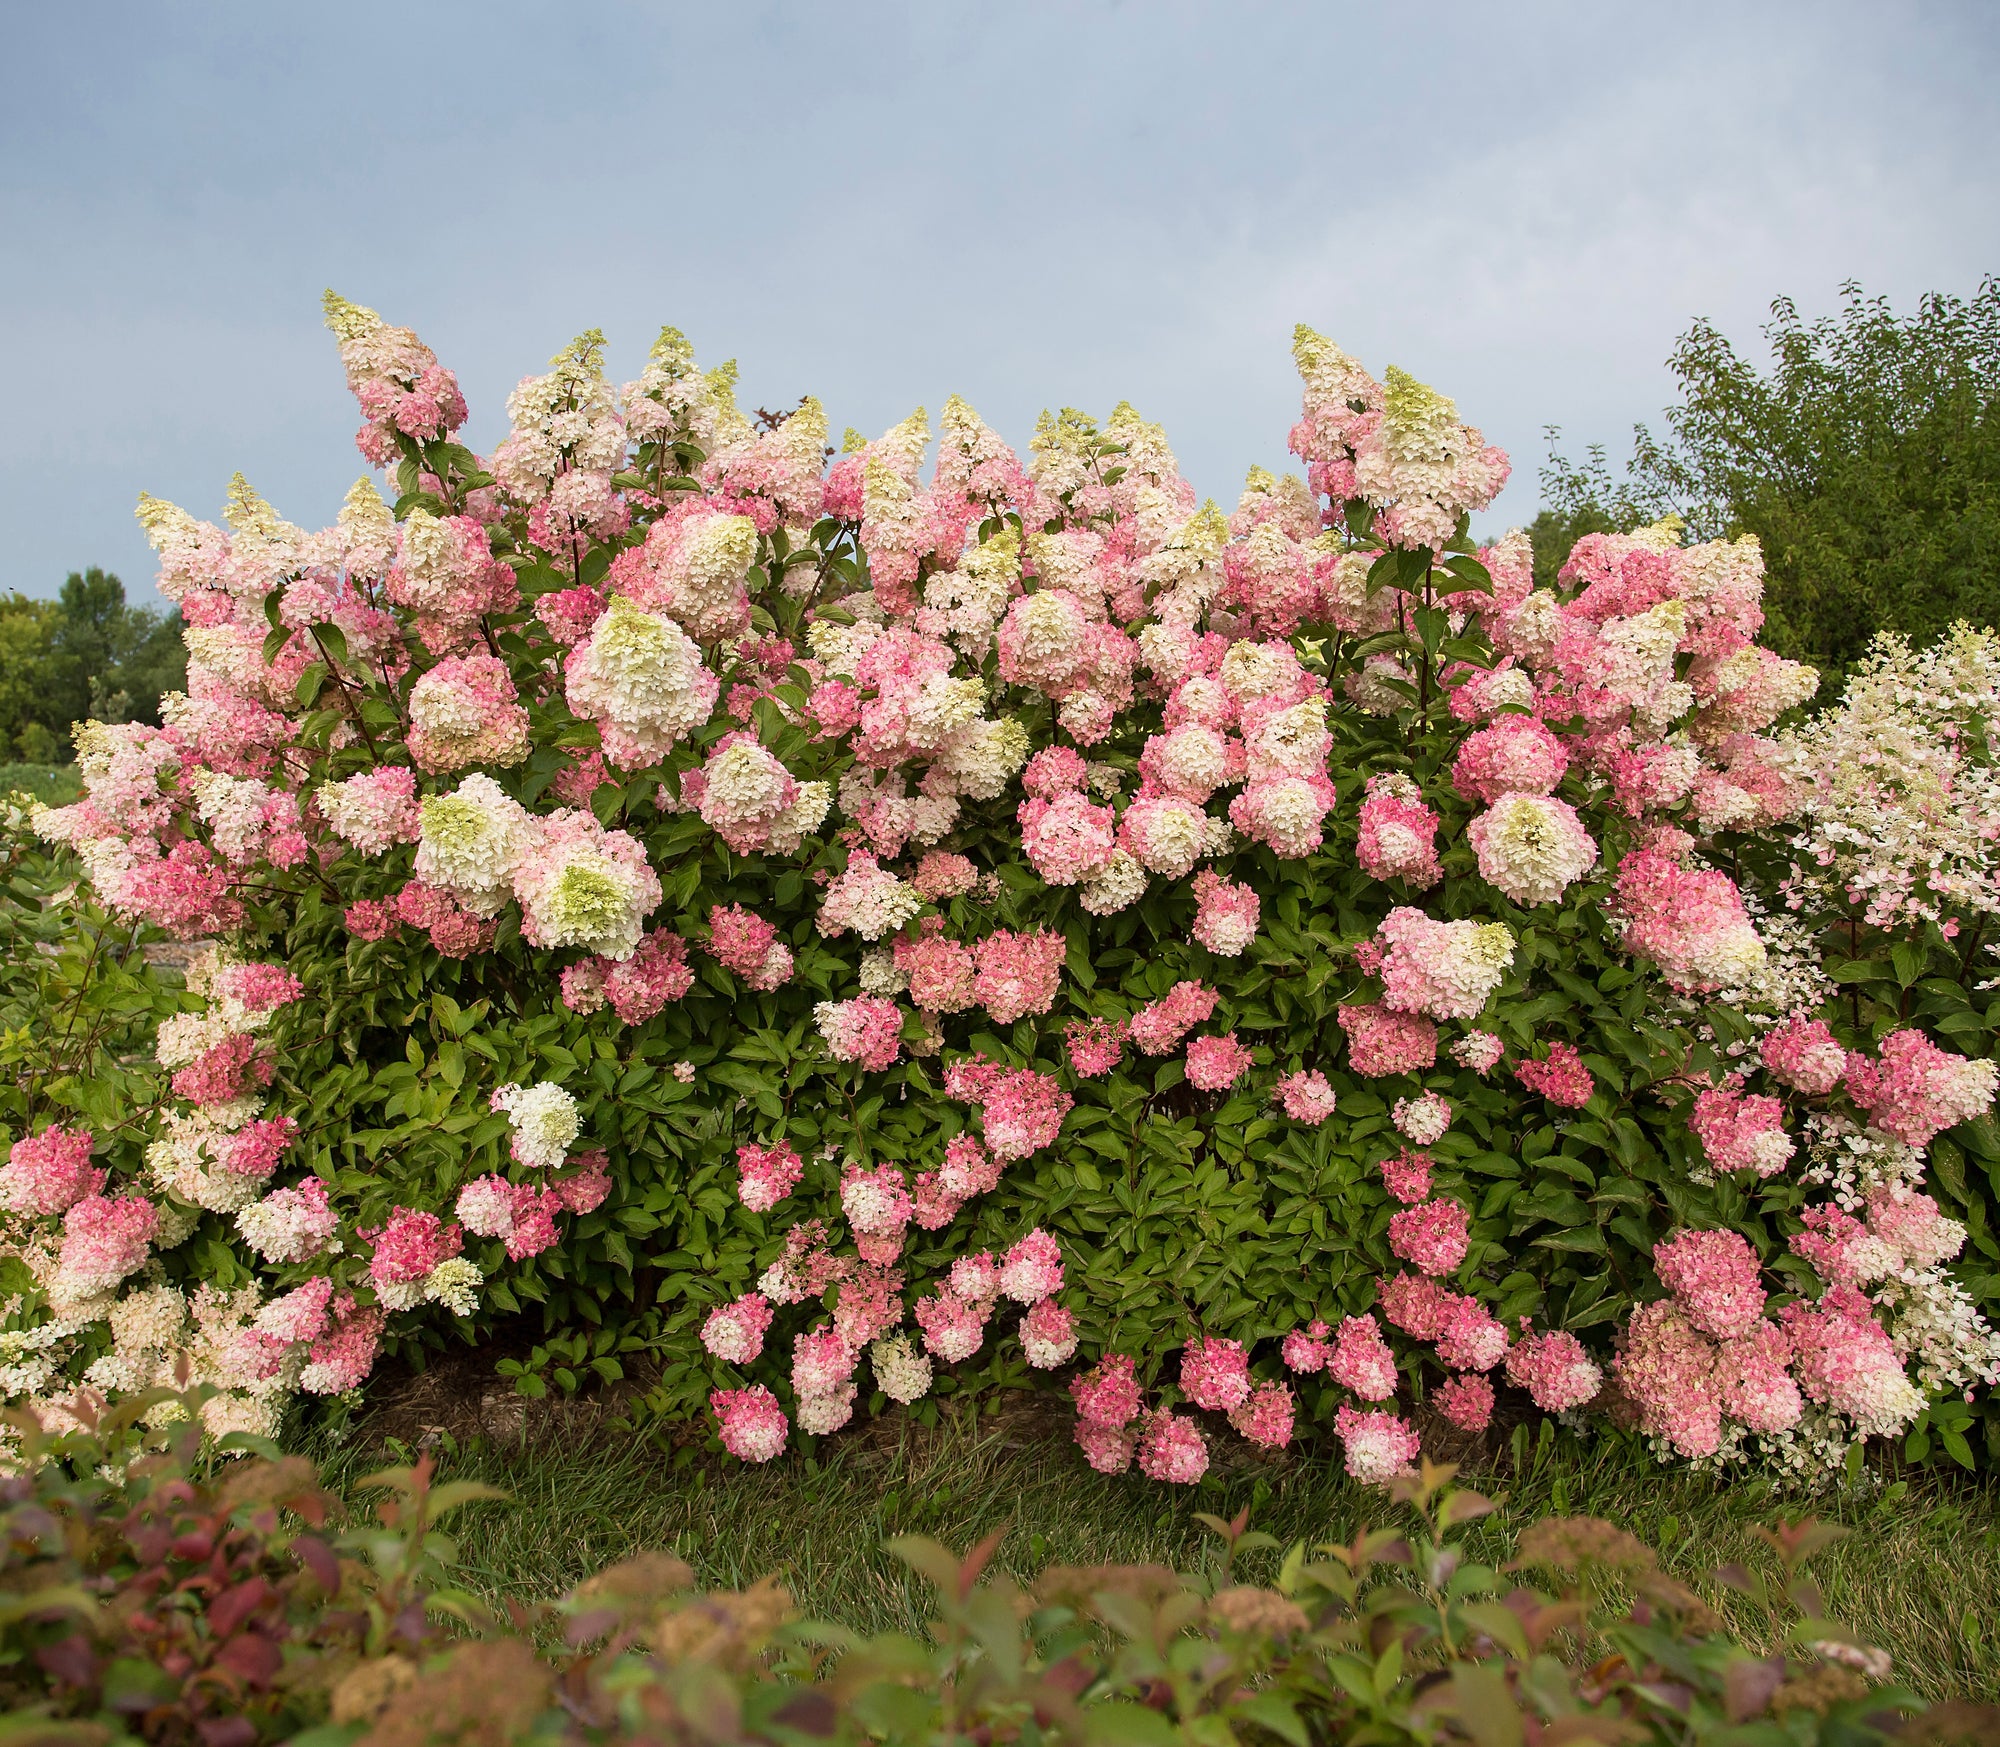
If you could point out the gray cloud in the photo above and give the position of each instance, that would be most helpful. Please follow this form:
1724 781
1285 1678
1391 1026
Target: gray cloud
1030 205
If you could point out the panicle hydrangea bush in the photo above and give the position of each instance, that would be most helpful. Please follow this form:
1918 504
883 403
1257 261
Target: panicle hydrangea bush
829 935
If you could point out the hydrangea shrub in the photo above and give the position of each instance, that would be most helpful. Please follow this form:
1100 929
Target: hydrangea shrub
852 932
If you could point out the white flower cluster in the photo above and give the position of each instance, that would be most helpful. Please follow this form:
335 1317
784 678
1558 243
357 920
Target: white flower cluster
641 677
544 1119
471 841
1903 815
564 421
581 885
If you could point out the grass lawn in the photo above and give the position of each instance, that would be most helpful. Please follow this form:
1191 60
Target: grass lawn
1920 1572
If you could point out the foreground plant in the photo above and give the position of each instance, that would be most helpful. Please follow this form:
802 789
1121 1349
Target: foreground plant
830 930
150 1598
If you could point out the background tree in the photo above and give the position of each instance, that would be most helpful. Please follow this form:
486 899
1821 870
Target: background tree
88 653
1580 499
1866 459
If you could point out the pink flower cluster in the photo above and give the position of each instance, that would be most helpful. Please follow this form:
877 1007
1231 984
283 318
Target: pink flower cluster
1802 1053
750 1423
1560 1077
1017 974
47 1174
1433 1235
1741 1132
1381 1041
1688 921
1305 1096
867 1031
465 711
747 944
1444 970
1516 755
1913 1090
766 1175
1555 1370
104 1240
1226 915
1095 1046
1023 1110
1216 1063
735 1332
1360 1359
1379 1445
1158 1027
1398 833
635 988
1407 1176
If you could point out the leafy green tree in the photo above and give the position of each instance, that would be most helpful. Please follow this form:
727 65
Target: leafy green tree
1866 459
88 653
25 627
1579 499
109 659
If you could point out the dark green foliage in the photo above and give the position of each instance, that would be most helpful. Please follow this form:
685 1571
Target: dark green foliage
78 1001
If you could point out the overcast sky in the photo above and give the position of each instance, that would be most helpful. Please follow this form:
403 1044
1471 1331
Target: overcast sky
1027 204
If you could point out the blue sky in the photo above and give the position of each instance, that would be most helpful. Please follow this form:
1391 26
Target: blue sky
883 203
